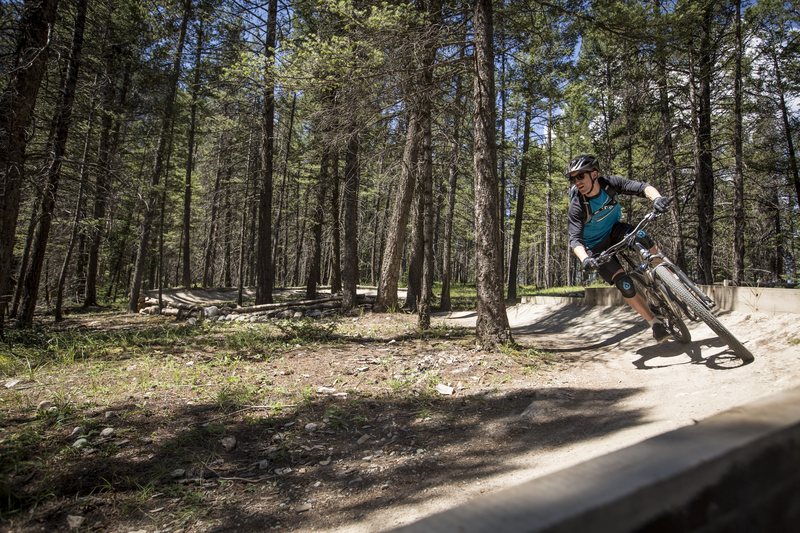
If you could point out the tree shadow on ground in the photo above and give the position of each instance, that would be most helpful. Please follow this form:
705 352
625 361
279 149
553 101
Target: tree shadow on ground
168 467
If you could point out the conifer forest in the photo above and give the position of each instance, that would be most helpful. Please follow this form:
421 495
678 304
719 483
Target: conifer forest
234 143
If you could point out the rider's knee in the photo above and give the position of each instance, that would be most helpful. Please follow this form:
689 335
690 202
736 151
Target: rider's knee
624 284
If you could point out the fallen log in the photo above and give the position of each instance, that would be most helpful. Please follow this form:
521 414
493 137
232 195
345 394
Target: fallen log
296 303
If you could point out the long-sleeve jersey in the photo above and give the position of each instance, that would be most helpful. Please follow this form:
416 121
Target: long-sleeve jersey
589 220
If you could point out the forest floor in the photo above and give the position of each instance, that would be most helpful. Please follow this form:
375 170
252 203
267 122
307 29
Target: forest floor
358 424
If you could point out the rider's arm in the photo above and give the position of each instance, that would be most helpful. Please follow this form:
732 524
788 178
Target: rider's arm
651 192
580 251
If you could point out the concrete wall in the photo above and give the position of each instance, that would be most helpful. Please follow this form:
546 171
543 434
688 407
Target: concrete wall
738 471
743 299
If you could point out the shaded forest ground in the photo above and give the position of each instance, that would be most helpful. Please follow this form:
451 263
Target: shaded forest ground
341 425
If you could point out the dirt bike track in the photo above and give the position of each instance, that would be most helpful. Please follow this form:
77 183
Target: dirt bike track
615 387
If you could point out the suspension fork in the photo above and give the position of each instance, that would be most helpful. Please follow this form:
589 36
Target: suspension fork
703 297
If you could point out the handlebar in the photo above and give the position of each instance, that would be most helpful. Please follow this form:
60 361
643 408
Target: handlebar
627 241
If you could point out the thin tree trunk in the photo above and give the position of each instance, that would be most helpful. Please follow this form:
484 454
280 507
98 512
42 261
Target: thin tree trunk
265 267
187 191
301 237
518 216
393 254
704 170
426 184
416 253
738 175
23 267
63 120
492 321
243 231
166 126
316 230
279 218
452 180
376 233
336 254
548 197
62 278
350 259
670 168
226 266
208 254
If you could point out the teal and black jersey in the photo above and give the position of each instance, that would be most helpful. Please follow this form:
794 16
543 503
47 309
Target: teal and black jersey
604 213
590 220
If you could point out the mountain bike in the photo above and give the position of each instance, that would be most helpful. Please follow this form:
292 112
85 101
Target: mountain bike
668 291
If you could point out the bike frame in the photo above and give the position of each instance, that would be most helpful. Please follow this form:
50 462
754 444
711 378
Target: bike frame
647 268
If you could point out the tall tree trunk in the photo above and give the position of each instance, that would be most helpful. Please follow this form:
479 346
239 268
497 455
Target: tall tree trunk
778 265
501 213
300 234
107 145
668 155
166 126
548 198
519 214
62 278
243 225
26 253
226 263
703 164
63 120
336 255
452 180
17 104
265 273
208 254
393 254
350 259
492 322
276 231
316 229
187 191
426 184
738 175
376 238
416 253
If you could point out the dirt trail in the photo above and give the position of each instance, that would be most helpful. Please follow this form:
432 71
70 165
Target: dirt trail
615 389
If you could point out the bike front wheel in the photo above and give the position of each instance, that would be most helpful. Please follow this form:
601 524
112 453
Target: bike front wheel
681 291
663 308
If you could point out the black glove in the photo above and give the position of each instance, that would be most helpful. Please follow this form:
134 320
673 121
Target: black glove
660 204
590 263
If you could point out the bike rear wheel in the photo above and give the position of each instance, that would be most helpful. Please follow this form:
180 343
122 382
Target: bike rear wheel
682 292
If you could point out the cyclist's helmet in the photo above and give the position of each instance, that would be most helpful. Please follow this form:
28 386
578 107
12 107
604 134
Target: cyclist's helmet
582 163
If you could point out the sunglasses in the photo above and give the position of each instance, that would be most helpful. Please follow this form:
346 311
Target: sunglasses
578 177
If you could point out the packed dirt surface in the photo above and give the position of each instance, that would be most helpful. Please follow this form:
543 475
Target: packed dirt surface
613 387
380 425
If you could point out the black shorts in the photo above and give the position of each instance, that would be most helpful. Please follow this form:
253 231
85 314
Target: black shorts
607 270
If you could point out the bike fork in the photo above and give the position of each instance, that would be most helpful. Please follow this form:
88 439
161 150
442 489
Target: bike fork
703 297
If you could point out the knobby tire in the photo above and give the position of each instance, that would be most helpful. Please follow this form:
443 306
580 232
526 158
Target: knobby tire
682 292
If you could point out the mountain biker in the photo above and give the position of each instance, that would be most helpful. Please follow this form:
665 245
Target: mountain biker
594 225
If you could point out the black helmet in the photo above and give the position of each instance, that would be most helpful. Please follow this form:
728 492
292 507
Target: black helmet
582 163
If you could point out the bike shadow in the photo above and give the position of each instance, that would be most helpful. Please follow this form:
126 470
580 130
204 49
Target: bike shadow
725 360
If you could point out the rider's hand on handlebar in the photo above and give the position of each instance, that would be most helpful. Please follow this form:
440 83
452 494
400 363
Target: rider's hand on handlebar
660 204
590 263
